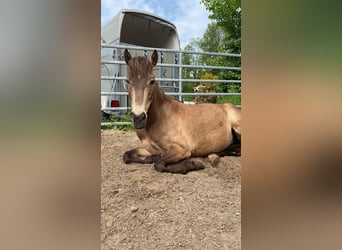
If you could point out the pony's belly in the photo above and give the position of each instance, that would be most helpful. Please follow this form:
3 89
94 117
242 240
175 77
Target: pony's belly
205 148
204 152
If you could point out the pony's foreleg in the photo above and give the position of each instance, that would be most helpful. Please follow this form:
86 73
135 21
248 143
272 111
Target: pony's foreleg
139 155
175 160
188 165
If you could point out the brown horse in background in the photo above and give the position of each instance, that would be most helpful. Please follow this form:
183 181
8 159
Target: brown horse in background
173 133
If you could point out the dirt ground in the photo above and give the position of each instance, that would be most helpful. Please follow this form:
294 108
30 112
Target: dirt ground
145 209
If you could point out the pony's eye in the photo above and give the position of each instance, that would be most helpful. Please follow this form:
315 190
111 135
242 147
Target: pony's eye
152 82
127 81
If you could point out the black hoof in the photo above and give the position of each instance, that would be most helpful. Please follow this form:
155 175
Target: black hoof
125 158
160 167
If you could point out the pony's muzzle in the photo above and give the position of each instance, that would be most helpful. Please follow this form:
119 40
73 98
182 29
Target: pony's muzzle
139 121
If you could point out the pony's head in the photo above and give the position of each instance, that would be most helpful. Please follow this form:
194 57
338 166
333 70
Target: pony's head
140 79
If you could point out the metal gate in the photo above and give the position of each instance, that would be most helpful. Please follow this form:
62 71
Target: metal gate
169 72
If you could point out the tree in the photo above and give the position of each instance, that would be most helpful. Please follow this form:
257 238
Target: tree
222 35
227 14
227 29
189 59
190 73
213 38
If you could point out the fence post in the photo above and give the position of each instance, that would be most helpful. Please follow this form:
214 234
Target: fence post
180 84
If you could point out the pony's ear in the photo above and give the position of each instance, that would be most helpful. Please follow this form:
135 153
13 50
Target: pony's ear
127 56
154 58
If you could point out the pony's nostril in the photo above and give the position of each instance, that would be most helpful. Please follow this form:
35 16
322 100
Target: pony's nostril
141 117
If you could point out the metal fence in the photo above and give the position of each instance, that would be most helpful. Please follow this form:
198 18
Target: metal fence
178 81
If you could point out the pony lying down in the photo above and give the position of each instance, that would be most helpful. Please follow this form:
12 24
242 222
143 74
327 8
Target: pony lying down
177 137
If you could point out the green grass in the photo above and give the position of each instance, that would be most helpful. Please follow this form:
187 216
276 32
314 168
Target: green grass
236 100
117 118
188 98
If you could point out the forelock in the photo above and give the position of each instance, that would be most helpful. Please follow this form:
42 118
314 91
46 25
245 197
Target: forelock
141 66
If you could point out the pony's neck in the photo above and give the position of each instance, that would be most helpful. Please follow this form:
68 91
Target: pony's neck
159 97
156 108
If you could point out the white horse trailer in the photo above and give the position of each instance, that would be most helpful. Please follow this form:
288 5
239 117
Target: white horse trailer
135 28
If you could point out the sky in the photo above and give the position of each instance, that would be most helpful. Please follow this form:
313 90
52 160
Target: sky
189 16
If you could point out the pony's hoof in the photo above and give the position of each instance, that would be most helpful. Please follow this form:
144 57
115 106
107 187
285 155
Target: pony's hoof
214 159
125 158
160 167
198 163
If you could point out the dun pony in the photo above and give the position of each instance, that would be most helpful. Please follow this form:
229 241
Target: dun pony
172 133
